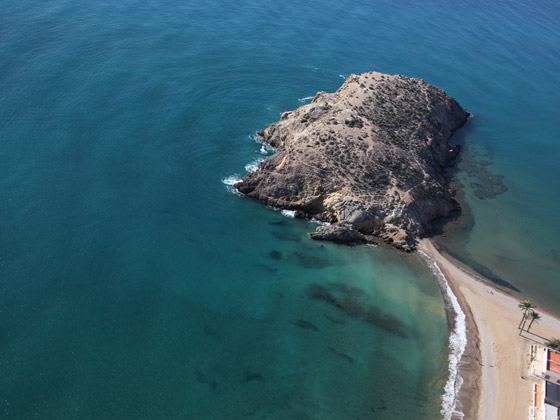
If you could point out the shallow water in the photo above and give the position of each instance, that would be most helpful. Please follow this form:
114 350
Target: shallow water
134 284
513 236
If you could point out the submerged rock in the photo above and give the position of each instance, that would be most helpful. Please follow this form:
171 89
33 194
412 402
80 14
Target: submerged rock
354 303
252 377
338 233
342 355
275 255
370 159
202 378
306 325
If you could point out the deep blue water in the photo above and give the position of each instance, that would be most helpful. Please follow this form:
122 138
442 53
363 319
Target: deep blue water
134 284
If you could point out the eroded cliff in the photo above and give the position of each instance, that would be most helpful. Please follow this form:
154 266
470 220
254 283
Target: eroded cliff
369 159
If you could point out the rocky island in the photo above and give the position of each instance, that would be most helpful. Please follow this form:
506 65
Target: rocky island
370 159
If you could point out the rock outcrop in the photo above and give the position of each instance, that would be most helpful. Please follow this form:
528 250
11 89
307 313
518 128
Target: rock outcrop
370 159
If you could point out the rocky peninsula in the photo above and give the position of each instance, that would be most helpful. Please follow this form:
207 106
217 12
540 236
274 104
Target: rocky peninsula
370 159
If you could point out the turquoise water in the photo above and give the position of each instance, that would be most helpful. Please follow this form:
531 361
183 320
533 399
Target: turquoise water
134 284
515 87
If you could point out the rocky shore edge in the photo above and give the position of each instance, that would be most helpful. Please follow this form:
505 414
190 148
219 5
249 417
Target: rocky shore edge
370 160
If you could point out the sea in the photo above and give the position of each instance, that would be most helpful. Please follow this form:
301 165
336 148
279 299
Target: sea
136 284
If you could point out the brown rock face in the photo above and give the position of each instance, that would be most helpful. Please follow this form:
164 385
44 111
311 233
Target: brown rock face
369 158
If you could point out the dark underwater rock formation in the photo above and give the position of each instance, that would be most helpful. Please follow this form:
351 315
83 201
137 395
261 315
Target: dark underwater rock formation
353 302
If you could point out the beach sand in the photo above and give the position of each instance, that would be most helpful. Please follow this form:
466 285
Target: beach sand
495 364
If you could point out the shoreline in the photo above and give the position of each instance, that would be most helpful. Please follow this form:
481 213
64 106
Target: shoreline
466 399
451 406
494 366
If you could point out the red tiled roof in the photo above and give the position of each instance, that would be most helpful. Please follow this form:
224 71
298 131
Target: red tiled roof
553 364
538 396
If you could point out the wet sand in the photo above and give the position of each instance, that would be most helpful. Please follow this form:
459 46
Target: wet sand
495 363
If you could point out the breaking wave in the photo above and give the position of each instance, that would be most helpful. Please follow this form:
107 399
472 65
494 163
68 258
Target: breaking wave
319 222
266 148
307 98
253 166
457 344
230 181
288 213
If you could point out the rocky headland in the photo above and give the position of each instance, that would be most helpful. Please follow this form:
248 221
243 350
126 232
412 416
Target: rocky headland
370 159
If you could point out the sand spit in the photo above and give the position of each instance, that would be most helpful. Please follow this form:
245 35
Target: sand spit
495 364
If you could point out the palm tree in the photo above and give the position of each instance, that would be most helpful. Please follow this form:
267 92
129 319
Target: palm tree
535 316
525 306
553 344
524 320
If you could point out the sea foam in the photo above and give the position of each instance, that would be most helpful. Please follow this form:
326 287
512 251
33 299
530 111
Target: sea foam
288 213
230 181
307 98
253 166
319 222
457 344
266 148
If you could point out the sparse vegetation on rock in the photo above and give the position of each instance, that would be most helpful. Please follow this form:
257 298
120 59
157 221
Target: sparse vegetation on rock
370 157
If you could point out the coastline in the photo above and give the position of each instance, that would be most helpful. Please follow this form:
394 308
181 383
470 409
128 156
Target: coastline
494 366
461 390
488 356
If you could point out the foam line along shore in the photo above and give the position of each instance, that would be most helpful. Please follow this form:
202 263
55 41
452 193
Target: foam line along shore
497 372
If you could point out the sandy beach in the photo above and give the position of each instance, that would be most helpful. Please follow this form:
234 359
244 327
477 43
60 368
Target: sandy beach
495 364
